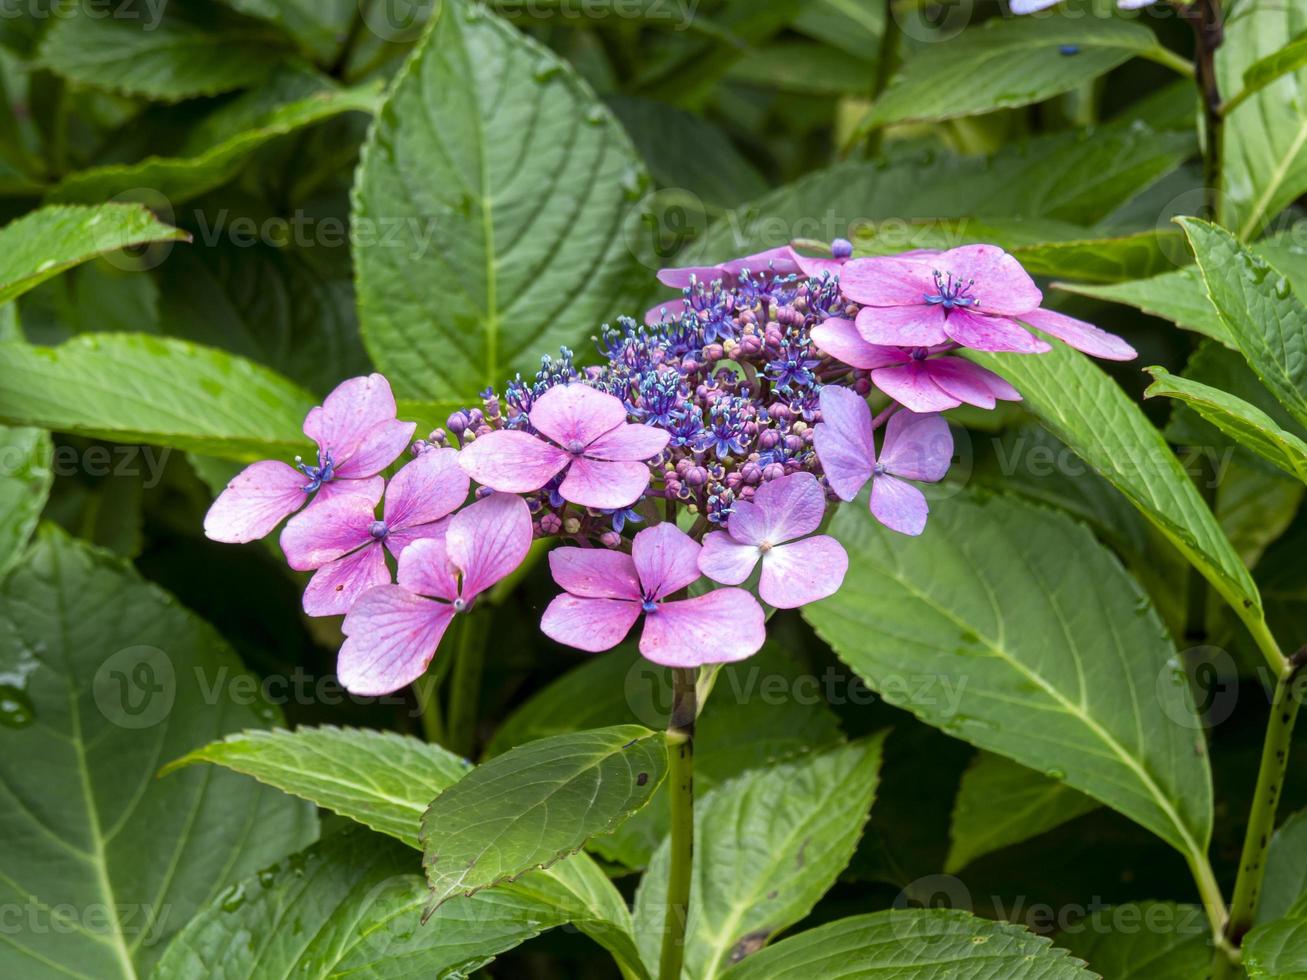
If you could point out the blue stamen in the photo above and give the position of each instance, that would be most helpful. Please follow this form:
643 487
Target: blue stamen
378 530
324 472
951 293
649 605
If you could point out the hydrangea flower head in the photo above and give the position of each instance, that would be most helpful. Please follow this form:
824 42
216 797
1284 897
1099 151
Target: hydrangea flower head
915 447
357 436
581 431
773 528
607 591
393 631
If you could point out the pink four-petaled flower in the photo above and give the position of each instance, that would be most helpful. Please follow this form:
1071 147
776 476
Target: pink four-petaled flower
345 542
584 432
392 631
357 436
608 590
773 529
916 447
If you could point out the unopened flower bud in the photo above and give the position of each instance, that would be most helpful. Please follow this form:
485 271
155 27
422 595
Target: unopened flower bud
773 471
695 476
713 353
751 473
841 248
457 423
768 439
572 525
610 539
551 524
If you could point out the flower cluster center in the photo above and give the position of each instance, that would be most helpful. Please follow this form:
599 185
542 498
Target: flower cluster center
951 292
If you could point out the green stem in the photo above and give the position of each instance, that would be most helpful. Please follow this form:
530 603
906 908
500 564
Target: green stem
885 63
426 688
1209 33
465 682
680 790
1266 799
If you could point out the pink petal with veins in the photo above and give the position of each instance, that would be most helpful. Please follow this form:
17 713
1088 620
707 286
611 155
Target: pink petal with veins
346 419
1001 285
801 572
969 382
575 415
336 585
903 326
326 531
917 447
592 625
843 440
1081 335
899 506
840 339
488 541
992 333
256 500
425 568
913 385
666 559
603 485
391 637
631 443
888 281
789 507
720 627
592 573
513 462
426 489
726 560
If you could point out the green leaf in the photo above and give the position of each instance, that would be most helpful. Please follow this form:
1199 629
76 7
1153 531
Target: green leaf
1089 412
385 781
1076 176
515 182
1176 296
354 902
1277 950
1245 423
1284 887
26 456
183 49
767 846
377 778
912 944
850 25
764 709
805 68
42 244
1264 139
136 388
536 804
320 27
215 153
1270 69
104 676
1011 599
1259 309
1000 803
1008 62
1143 941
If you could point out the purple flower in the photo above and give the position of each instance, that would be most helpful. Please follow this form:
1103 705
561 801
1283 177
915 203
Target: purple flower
357 435
393 630
794 572
967 295
915 447
1031 6
586 434
343 540
778 261
1081 335
915 377
608 590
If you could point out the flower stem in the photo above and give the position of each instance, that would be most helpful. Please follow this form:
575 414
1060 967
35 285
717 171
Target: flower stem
427 690
1266 799
465 683
680 791
1209 33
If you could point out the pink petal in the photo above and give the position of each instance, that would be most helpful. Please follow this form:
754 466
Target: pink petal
815 268
632 443
801 572
843 441
781 261
681 277
371 487
589 624
921 325
594 573
899 506
917 447
603 485
575 415
335 586
1081 335
397 542
430 487
512 462
888 281
840 339
348 415
666 559
913 385
425 568
726 560
488 541
969 382
379 448
791 507
1001 285
392 636
717 628
327 530
257 499
671 310
1031 6
992 333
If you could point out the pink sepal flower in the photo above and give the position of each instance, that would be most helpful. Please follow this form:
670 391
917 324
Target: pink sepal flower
608 590
782 261
357 436
915 447
343 540
584 432
393 631
794 572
